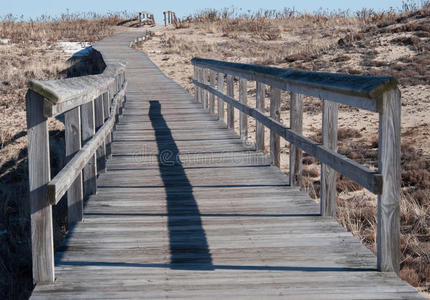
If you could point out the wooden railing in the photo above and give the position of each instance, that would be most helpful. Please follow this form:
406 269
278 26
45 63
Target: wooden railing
91 106
169 17
146 18
377 94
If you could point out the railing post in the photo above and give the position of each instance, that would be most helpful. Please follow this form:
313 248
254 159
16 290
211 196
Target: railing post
72 122
389 166
99 121
220 82
230 109
212 96
201 90
196 88
88 131
275 145
243 120
106 108
259 132
42 241
205 92
296 124
328 192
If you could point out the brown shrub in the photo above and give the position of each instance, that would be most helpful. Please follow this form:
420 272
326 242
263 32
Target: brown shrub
406 41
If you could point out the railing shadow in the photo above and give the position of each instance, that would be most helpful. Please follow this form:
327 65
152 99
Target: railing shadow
186 235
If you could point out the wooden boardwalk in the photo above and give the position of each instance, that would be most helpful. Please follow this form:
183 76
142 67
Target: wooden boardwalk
186 211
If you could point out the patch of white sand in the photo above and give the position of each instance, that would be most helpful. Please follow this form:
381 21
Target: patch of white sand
73 47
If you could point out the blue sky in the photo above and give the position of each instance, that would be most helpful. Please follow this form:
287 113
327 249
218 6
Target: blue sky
35 8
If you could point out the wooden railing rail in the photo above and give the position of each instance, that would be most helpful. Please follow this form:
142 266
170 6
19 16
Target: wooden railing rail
91 105
377 94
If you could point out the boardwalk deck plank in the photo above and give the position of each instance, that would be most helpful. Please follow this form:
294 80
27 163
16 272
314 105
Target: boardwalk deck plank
220 221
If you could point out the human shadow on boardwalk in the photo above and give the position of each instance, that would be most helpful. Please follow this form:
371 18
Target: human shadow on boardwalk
189 248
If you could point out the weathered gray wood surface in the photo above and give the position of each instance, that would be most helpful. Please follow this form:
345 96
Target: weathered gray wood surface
328 175
89 173
364 176
243 119
218 222
230 109
39 171
259 103
73 145
389 202
58 186
296 124
275 113
364 92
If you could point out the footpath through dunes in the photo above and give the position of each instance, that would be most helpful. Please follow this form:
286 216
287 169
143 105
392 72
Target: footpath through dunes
185 210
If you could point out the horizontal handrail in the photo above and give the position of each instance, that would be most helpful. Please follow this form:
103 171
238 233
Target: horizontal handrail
91 105
367 178
359 91
59 185
65 94
378 94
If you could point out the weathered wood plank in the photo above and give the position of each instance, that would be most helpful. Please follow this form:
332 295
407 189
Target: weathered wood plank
89 173
42 240
73 145
296 124
99 120
275 114
230 109
220 82
328 175
66 94
196 77
205 94
259 131
243 117
107 98
212 96
389 166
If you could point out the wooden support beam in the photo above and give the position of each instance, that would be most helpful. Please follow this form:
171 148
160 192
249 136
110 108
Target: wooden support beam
389 166
230 109
220 100
328 192
99 120
107 98
196 88
243 117
275 114
296 125
42 240
212 96
73 145
259 133
201 91
88 131
204 92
